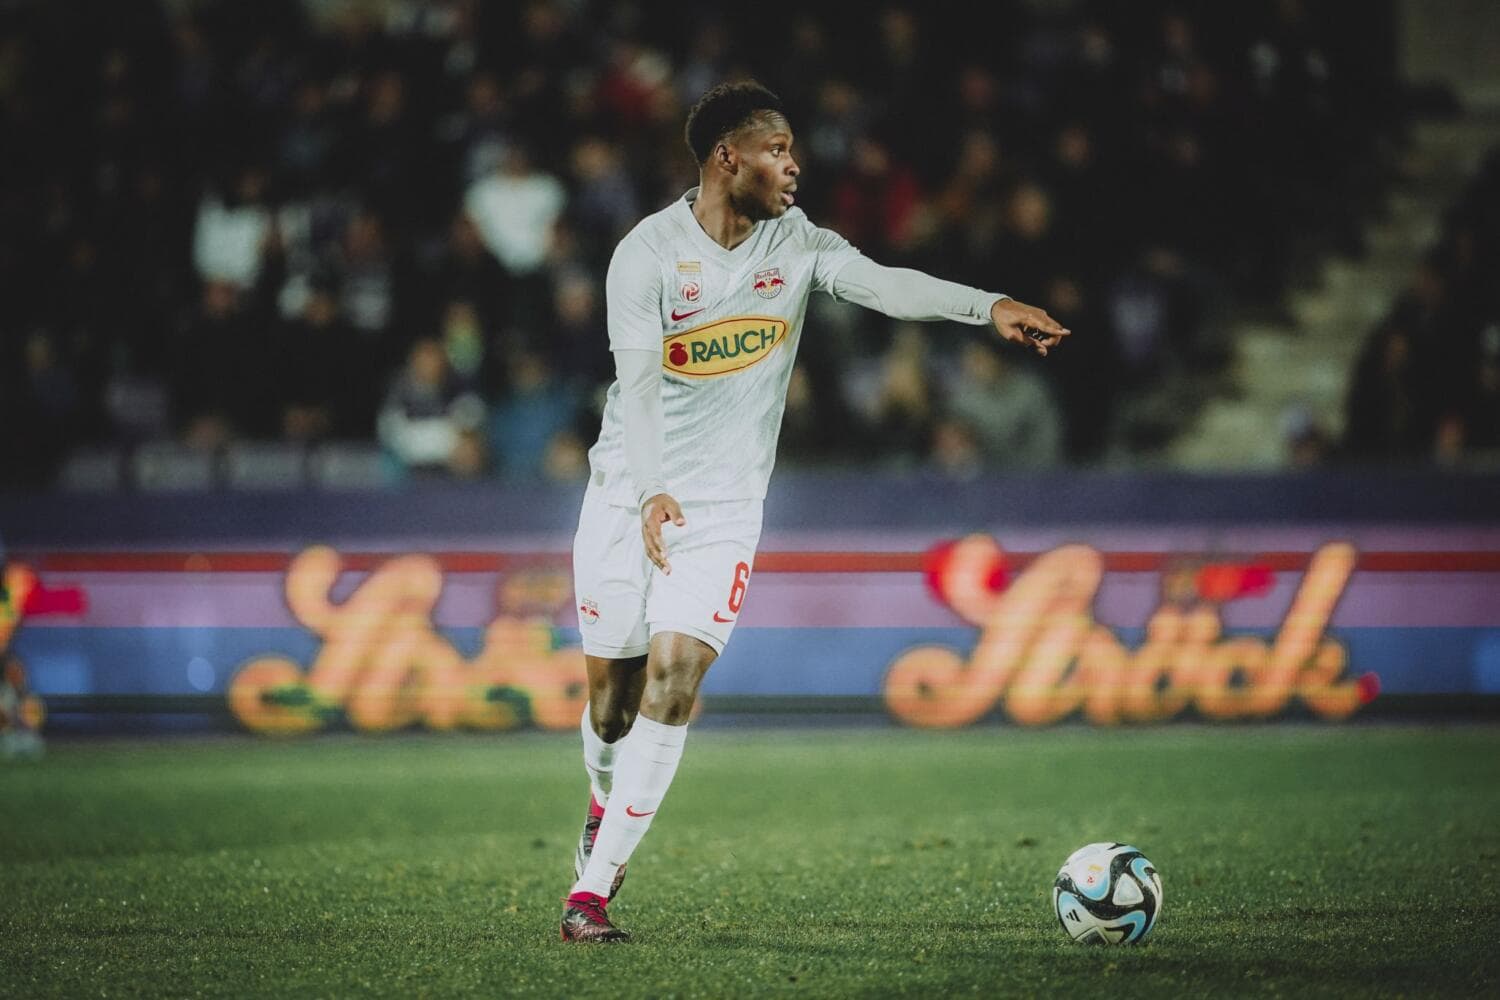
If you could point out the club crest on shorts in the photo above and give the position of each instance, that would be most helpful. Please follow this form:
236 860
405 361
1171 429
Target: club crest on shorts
588 612
768 283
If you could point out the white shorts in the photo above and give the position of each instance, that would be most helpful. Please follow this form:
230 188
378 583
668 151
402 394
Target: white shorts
623 600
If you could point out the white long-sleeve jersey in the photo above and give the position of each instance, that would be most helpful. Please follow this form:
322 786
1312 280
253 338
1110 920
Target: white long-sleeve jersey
725 326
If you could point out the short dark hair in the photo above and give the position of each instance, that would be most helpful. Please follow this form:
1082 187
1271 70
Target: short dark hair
723 110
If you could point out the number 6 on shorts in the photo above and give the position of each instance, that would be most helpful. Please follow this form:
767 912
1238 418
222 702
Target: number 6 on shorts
737 592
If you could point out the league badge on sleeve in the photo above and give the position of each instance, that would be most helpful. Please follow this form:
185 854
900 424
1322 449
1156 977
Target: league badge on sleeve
768 283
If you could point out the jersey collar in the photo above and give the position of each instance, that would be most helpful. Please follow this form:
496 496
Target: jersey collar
685 217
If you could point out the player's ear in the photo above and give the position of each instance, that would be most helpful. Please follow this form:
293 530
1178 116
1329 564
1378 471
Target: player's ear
725 157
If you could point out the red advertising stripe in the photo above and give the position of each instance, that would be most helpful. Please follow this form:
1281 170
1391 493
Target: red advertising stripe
766 562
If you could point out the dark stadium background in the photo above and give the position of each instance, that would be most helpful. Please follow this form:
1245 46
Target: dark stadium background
227 223
301 314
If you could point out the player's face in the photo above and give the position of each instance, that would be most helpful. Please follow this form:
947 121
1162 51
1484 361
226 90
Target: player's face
766 182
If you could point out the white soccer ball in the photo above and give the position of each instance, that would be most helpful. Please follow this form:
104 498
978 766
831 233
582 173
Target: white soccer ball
1107 894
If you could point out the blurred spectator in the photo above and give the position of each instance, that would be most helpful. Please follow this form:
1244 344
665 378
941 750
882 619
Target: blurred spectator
232 234
814 427
970 207
705 63
479 133
578 329
1025 243
427 413
1090 217
1383 413
325 374
464 341
536 407
137 407
51 398
469 458
1147 315
385 152
875 200
955 449
367 276
838 122
635 86
222 368
308 141
567 458
1086 382
53 388
901 411
514 209
1006 409
1482 405
604 207
463 270
1306 442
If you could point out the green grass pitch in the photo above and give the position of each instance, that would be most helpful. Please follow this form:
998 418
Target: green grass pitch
1297 860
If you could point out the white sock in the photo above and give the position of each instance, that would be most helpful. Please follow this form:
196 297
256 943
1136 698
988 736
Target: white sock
646 763
598 759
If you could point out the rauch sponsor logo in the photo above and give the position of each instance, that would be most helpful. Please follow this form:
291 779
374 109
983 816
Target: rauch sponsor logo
722 347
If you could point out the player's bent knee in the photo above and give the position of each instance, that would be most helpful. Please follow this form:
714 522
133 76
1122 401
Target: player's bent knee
673 672
611 723
669 696
669 710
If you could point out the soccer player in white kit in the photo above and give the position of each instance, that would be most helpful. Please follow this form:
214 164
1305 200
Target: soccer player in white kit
705 301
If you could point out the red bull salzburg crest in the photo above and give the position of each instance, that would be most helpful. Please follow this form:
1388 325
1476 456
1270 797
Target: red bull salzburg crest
768 283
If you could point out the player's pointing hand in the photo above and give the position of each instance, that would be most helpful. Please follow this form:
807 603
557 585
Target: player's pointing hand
654 513
1027 325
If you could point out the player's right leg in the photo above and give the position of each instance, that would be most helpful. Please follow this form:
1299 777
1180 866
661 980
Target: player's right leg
615 688
610 571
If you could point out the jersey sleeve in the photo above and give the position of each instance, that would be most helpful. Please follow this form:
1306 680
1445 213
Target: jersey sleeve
632 298
903 293
639 373
831 252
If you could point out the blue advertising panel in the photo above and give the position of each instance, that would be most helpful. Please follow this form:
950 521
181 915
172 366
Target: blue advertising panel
330 616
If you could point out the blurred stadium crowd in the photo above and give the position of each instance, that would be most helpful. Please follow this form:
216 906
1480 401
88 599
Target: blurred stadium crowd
295 223
1427 383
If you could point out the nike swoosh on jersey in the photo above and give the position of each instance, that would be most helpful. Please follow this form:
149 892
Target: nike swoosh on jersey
678 317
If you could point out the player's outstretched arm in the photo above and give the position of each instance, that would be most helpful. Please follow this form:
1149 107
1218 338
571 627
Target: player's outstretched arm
904 293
